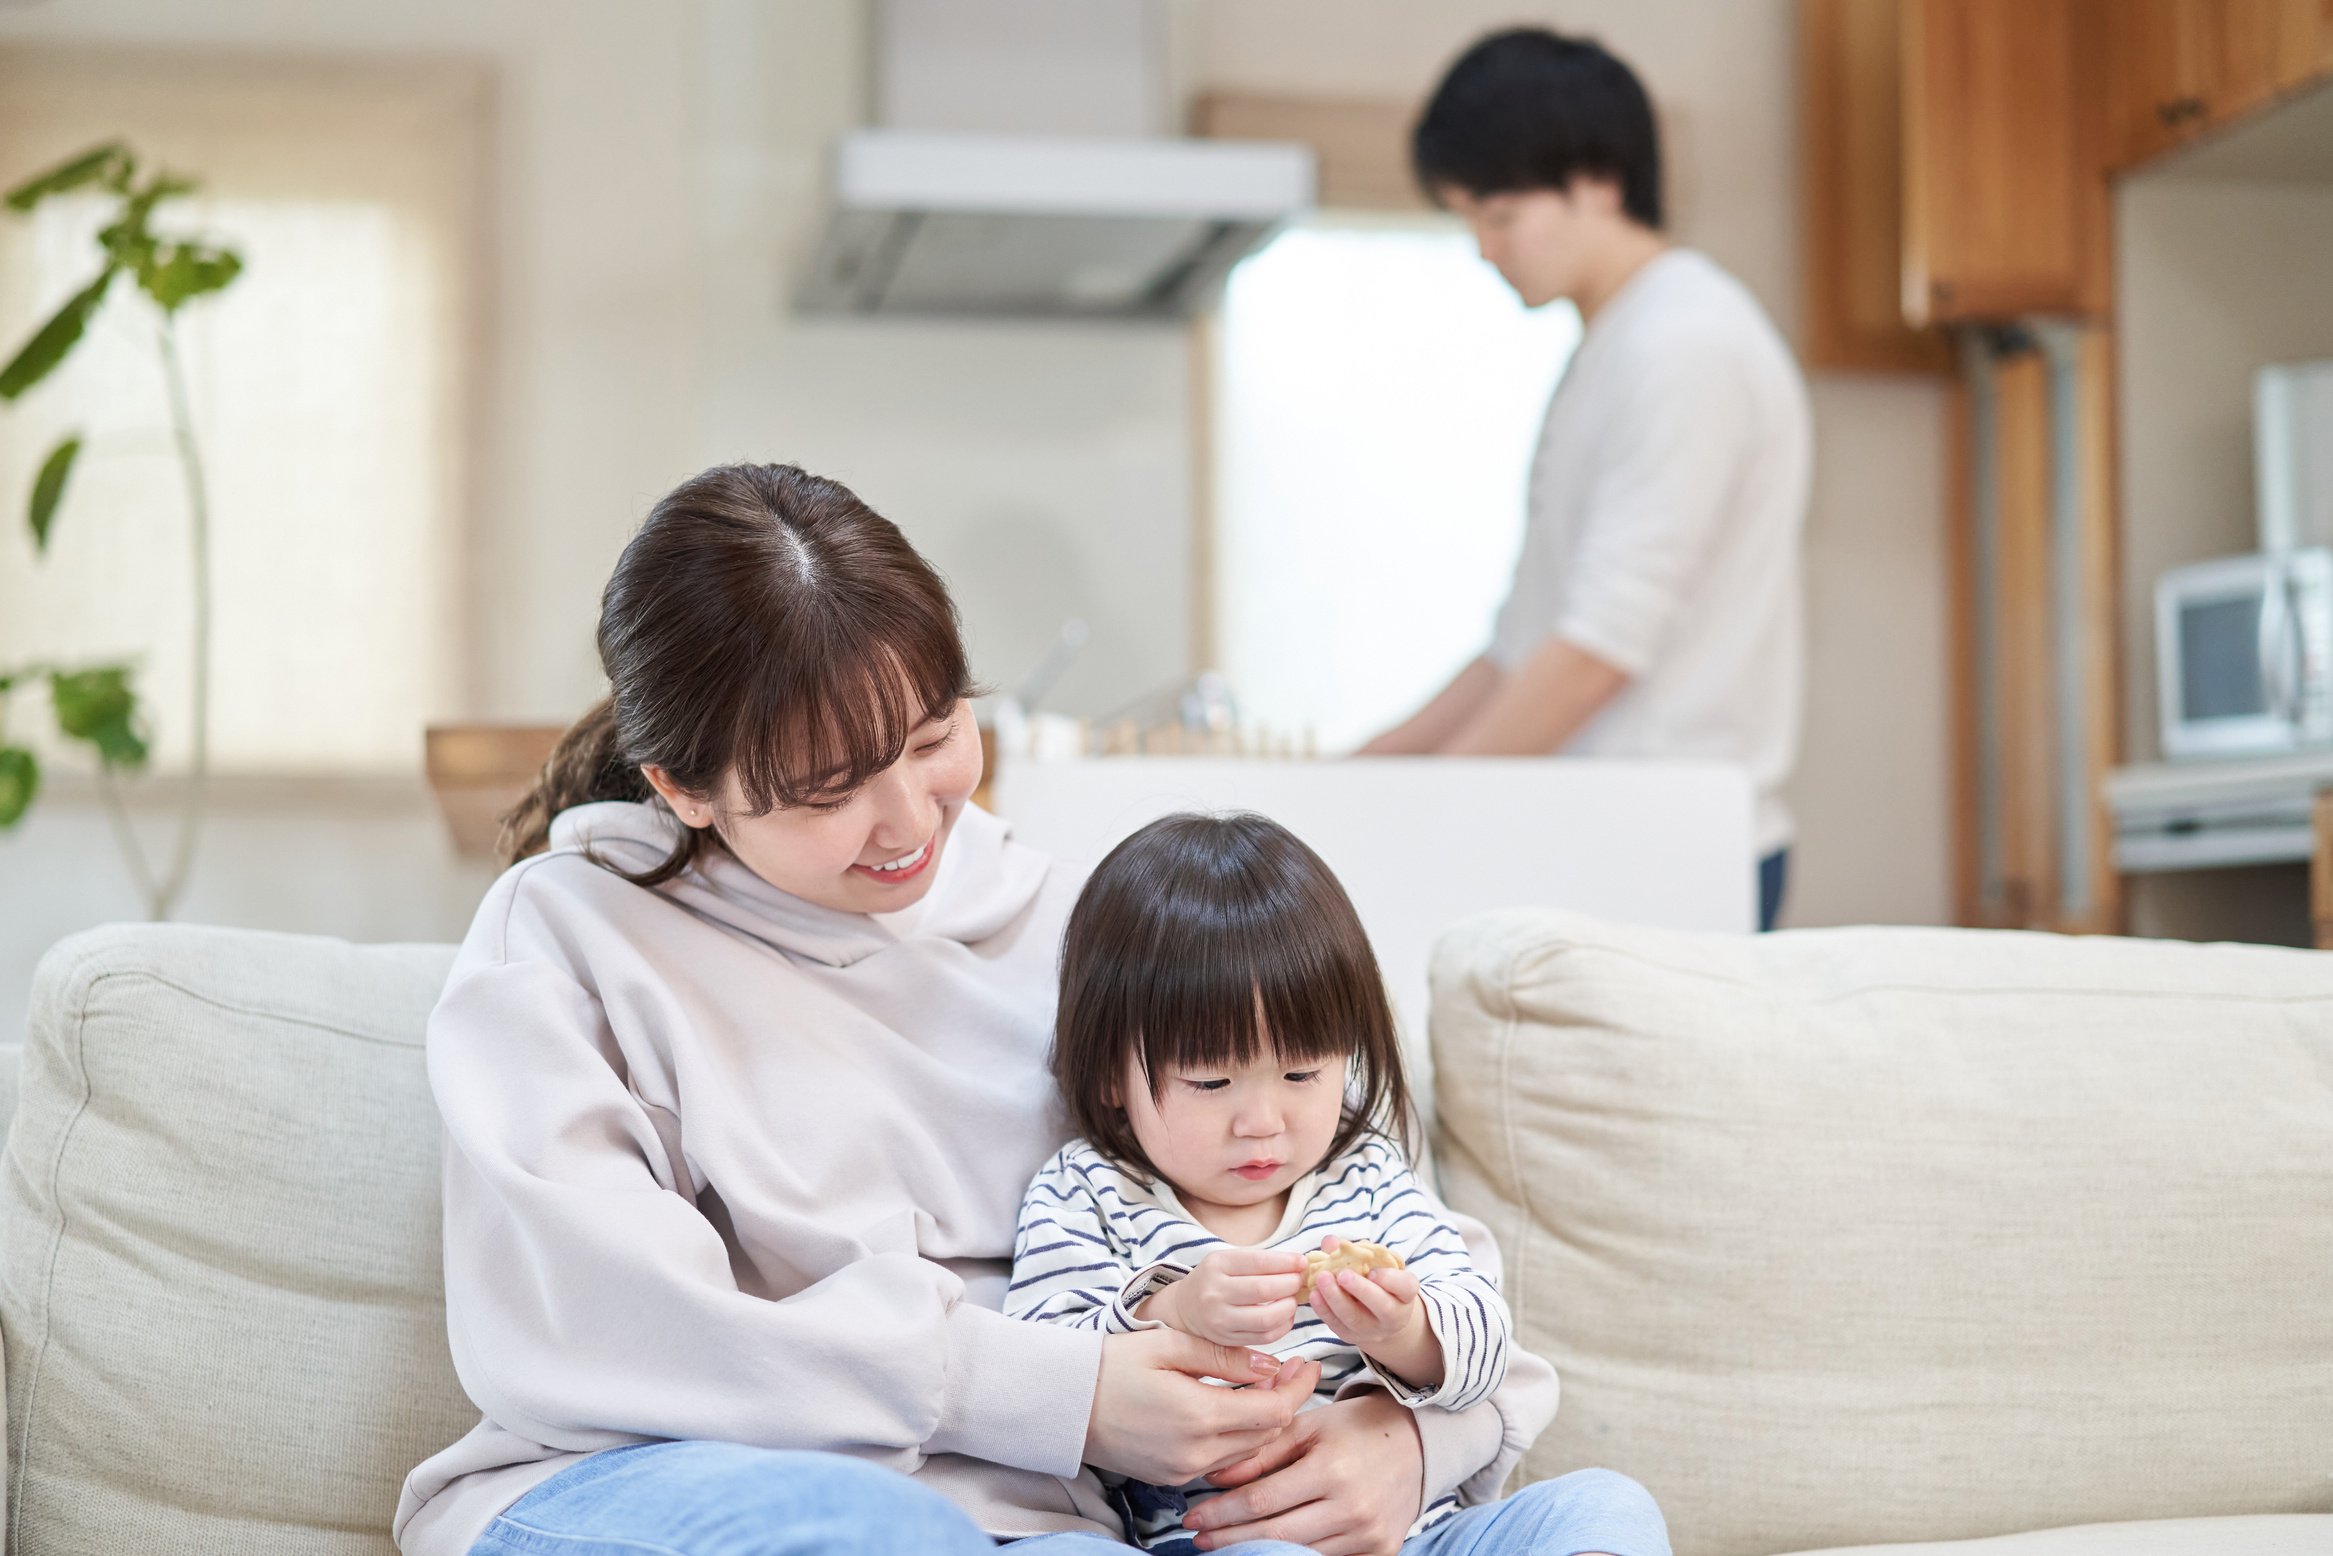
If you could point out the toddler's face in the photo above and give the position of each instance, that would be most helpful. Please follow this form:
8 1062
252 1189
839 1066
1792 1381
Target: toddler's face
1237 1135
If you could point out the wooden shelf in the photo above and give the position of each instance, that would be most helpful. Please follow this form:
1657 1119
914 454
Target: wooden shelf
479 771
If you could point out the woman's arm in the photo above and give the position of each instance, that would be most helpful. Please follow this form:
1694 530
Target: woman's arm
591 1304
1472 1451
589 1301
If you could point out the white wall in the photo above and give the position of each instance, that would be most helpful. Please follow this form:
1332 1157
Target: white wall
657 177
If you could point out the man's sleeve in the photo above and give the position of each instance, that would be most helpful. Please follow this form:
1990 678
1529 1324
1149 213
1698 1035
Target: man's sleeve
1656 503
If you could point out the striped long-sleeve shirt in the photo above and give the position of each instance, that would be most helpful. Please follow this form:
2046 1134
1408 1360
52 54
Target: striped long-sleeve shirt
1094 1242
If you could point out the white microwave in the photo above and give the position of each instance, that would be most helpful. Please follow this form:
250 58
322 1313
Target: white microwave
2244 654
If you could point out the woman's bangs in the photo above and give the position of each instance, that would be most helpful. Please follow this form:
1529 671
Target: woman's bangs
835 715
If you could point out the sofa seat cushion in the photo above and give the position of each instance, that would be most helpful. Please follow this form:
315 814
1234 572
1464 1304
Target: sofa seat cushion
2292 1534
1854 1236
222 1296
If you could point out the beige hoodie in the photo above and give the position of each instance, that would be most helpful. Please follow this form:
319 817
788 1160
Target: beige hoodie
721 1164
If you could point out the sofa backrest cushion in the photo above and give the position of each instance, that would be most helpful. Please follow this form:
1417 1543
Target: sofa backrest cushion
1855 1236
221 1293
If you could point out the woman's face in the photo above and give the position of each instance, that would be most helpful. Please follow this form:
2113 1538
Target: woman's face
872 851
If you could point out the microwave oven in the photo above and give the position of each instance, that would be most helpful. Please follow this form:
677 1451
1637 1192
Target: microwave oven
2244 654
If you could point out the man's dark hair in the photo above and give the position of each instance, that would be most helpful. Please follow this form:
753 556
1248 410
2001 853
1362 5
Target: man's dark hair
1531 109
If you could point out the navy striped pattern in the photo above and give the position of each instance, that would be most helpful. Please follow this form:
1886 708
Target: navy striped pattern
1094 1242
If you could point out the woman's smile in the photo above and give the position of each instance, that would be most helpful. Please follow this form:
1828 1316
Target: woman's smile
904 868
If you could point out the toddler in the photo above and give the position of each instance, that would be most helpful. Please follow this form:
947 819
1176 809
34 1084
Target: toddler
1227 1054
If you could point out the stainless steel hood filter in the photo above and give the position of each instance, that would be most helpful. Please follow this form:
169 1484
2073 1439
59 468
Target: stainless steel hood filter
969 222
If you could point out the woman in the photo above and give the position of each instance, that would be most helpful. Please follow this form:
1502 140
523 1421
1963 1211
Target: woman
742 1072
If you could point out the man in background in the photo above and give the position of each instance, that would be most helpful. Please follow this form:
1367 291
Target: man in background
1655 611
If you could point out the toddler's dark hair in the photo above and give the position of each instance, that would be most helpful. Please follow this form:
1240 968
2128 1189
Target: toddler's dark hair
1199 941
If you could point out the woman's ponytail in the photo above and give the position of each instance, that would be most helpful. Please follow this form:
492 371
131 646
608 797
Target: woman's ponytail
586 765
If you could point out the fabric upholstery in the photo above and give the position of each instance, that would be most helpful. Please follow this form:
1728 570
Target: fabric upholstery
2291 1534
221 1292
1857 1236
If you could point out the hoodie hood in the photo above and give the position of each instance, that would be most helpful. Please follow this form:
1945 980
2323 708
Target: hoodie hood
984 881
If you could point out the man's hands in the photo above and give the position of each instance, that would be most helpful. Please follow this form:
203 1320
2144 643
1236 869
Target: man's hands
1380 1315
1346 1480
1155 1421
1237 1296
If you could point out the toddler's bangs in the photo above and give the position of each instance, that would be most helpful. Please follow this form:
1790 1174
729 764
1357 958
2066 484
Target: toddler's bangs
1221 992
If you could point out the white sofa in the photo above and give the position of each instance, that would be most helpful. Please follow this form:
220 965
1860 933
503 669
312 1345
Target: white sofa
1838 1237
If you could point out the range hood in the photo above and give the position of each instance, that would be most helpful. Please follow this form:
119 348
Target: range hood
1011 198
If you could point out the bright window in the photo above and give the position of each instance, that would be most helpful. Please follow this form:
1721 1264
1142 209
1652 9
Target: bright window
327 386
1379 394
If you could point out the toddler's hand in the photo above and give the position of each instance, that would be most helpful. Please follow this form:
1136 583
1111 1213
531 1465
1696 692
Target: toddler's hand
1379 1312
1237 1296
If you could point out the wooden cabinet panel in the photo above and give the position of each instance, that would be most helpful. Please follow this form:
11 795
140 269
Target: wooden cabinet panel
2010 694
2176 68
1851 69
2304 42
2247 56
2158 72
1999 209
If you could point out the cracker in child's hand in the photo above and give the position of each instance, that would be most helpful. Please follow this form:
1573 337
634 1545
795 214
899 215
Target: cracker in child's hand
1358 1257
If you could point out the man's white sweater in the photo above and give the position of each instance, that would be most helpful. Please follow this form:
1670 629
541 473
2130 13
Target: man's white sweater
721 1164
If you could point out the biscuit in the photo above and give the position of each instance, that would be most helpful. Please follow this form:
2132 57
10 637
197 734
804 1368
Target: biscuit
1358 1257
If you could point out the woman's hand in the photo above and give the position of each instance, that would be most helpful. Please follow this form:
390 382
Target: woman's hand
1155 1421
1346 1480
1237 1296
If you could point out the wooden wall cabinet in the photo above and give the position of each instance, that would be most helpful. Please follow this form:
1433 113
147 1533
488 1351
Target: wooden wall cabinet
2178 68
1957 153
2304 49
2161 74
1851 62
2004 210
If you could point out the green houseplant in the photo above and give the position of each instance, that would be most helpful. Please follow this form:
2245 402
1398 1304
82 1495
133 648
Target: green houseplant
98 704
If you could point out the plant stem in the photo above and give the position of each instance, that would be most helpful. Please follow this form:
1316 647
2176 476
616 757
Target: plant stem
126 835
161 896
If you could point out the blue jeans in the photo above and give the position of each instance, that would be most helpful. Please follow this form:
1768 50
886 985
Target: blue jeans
719 1499
1773 876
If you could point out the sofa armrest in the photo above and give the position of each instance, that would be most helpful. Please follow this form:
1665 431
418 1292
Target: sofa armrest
11 1068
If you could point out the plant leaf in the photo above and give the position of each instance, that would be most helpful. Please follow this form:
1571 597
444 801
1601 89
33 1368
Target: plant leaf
20 780
97 705
48 488
175 272
129 238
110 164
54 339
